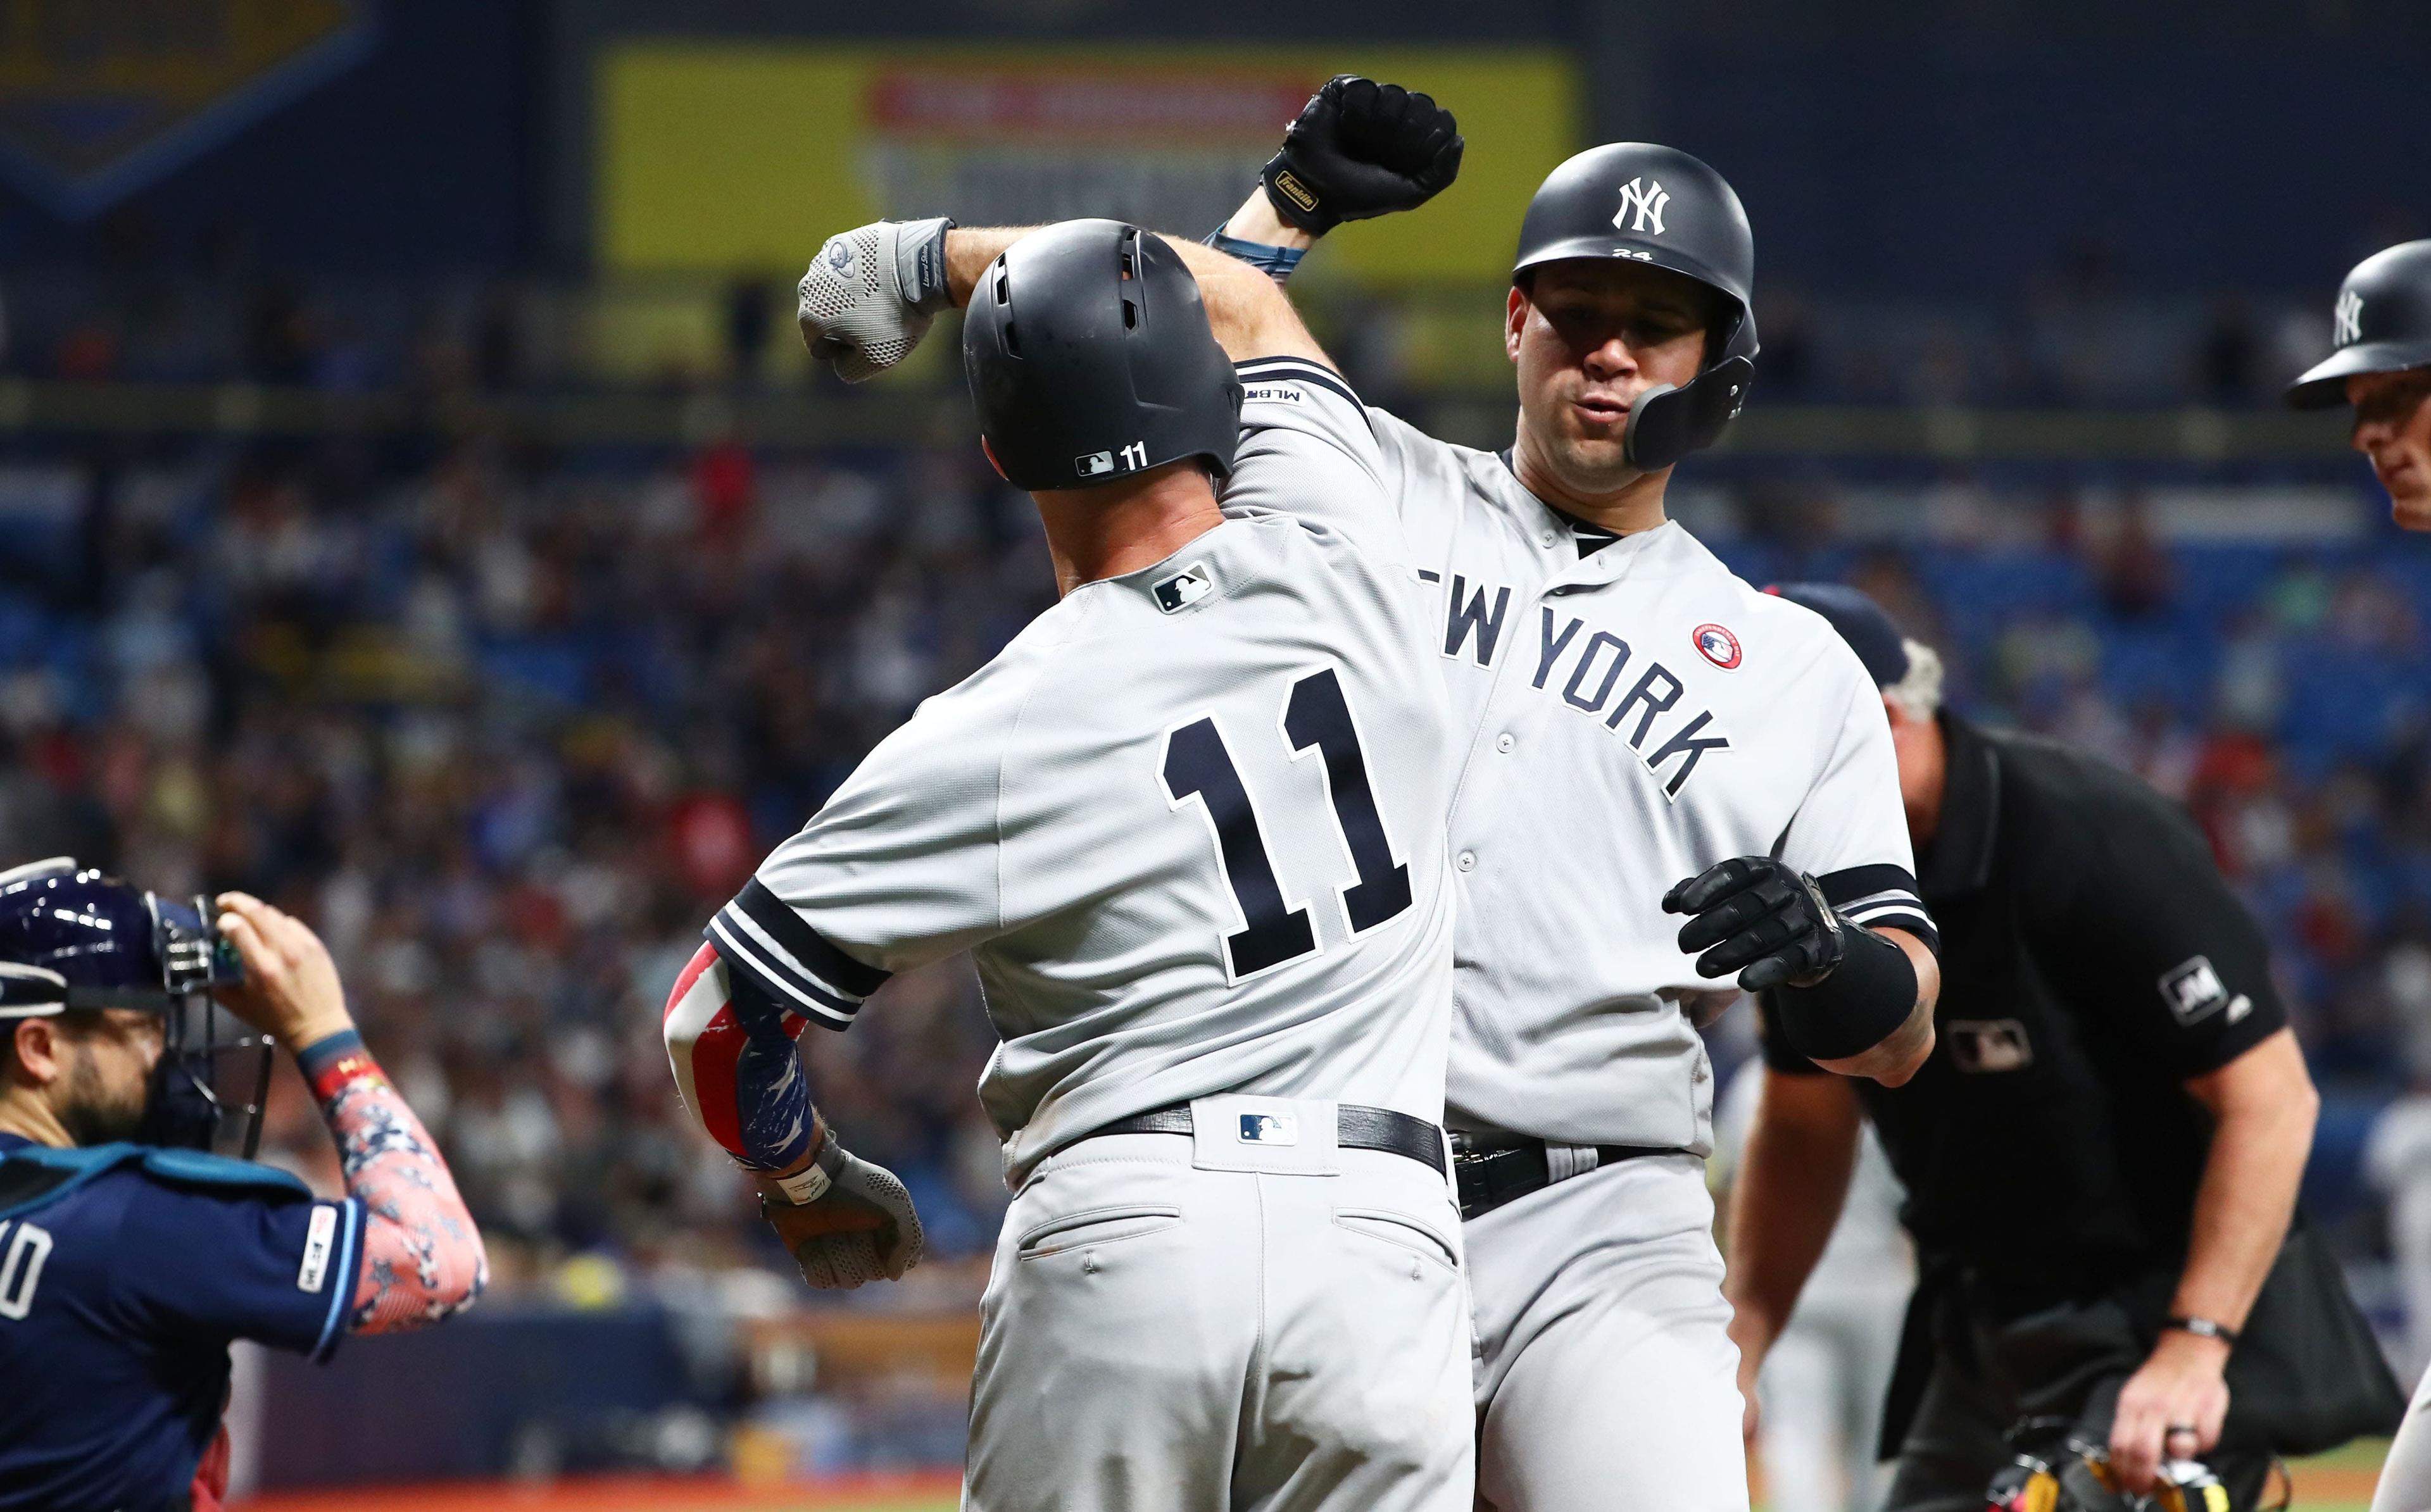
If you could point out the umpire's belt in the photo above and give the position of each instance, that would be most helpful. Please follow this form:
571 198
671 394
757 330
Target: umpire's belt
1493 1171
1354 1128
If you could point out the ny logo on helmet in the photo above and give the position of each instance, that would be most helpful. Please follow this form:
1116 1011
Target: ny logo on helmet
2349 317
1646 197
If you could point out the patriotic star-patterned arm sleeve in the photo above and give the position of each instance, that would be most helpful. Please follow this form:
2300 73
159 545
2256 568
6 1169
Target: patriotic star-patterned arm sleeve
896 871
421 1259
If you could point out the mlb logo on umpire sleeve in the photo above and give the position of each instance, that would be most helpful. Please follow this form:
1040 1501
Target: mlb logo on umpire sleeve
1184 589
320 1233
2194 990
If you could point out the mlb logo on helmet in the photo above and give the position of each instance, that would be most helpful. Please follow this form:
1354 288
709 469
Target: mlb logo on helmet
1097 464
1718 645
1270 1128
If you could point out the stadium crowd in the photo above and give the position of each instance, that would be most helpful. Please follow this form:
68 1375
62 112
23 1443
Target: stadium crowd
508 730
507 723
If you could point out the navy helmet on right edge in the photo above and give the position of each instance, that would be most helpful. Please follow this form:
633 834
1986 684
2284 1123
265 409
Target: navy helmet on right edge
2383 325
1660 207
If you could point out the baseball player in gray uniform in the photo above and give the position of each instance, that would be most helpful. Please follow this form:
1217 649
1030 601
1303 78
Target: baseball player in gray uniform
2382 368
1190 823
1639 733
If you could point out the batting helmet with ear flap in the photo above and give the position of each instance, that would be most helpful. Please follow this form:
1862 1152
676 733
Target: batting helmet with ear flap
2382 324
1090 358
1658 206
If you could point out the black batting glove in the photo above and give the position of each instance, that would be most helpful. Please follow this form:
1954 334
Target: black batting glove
1761 919
1361 149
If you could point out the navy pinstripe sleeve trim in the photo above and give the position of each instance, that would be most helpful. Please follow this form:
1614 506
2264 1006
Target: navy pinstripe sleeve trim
789 931
1297 369
1881 896
342 1276
754 963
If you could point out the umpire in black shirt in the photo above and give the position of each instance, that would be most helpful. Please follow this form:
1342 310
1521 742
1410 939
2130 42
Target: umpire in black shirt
2101 1155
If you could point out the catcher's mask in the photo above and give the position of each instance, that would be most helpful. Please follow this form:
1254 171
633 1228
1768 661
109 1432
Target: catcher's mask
72 938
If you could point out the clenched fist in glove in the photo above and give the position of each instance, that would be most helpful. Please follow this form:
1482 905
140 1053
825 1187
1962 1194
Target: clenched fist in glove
870 294
844 1221
1361 149
1758 917
1841 989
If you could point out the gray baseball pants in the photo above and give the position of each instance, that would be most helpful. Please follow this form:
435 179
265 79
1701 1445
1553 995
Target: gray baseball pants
1181 1323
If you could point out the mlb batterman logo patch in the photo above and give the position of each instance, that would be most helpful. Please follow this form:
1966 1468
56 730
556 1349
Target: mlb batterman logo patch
1718 645
1184 589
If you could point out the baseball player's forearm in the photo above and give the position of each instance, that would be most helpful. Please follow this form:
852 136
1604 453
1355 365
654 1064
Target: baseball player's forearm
1901 1053
1249 314
1257 222
2263 1106
423 1259
1793 1177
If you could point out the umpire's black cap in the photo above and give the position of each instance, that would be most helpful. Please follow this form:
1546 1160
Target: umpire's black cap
1090 359
1658 206
1862 622
2383 325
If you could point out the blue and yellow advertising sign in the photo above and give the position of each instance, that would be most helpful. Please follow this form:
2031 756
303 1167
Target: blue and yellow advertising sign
99 97
741 158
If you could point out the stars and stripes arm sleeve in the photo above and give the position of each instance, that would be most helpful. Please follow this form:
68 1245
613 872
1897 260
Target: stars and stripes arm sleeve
899 869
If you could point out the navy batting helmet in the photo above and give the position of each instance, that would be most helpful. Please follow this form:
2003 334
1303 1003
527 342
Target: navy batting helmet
1660 207
1090 359
72 938
2383 325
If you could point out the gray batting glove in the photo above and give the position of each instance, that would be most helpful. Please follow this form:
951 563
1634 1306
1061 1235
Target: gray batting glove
845 1219
870 294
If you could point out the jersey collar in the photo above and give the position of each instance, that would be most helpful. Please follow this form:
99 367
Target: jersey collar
1612 561
1959 859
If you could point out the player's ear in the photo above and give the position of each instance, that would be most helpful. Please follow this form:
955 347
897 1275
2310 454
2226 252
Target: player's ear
1515 320
990 451
34 1053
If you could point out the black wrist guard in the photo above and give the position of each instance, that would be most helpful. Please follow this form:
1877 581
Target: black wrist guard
1865 1000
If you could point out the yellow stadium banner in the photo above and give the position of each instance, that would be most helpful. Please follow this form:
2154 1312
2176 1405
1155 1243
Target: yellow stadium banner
720 158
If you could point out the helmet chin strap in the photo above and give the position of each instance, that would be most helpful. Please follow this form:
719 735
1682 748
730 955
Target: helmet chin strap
1666 423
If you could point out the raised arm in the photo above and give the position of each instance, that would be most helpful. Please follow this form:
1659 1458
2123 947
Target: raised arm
1247 311
423 1259
1358 149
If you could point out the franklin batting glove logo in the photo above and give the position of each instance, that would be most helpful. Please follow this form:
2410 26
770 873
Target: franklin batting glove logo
2350 318
1290 187
1646 197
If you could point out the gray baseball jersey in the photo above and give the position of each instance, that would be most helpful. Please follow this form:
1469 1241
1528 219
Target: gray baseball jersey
1189 821
1628 718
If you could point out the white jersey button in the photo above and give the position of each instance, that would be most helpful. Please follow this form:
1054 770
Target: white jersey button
1505 741
1549 537
1467 861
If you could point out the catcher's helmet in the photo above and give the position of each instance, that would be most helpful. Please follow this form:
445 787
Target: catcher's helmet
1658 206
1090 359
2384 324
72 938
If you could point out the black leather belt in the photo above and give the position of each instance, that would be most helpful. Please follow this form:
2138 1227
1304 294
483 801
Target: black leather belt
1489 1175
1354 1128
